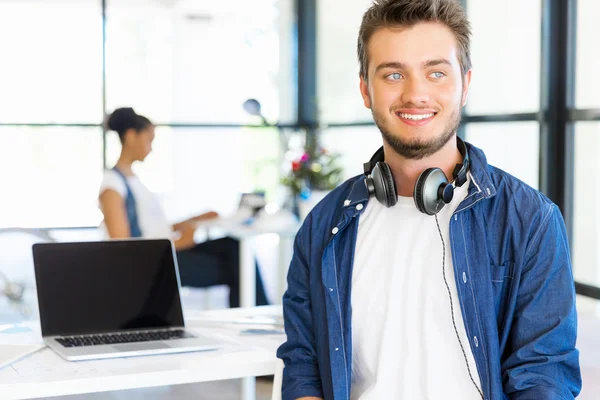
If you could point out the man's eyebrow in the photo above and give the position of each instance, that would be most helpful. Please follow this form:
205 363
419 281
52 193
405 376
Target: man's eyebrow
395 65
425 64
439 61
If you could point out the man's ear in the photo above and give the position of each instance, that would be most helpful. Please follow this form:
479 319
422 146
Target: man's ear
364 91
465 89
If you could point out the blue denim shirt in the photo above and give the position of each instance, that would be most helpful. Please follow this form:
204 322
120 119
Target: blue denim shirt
513 275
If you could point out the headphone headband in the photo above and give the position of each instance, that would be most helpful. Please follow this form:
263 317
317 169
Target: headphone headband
460 170
432 189
377 157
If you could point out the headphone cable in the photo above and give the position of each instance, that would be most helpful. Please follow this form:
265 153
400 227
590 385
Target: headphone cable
452 307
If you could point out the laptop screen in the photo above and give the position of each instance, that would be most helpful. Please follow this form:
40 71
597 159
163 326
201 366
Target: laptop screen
252 200
96 287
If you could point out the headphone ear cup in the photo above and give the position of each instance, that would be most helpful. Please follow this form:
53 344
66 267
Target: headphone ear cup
427 191
385 186
418 191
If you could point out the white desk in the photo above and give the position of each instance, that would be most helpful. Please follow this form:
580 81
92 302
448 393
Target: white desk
245 235
45 374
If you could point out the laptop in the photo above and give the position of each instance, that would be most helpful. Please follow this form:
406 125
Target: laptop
253 201
110 299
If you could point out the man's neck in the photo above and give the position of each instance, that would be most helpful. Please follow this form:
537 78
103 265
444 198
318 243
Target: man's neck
407 171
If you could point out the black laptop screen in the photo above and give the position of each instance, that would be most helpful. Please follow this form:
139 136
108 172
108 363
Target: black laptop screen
106 286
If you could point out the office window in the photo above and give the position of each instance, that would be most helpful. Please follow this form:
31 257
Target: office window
355 145
586 215
511 146
587 94
51 176
51 69
338 96
505 52
195 61
196 170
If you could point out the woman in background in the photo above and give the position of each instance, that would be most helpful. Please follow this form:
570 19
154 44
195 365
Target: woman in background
131 210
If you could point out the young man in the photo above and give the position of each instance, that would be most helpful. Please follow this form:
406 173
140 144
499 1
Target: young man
403 286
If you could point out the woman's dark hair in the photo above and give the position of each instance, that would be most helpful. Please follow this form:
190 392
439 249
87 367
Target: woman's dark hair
123 119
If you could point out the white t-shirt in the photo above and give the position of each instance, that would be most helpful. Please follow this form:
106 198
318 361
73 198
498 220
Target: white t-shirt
404 344
151 217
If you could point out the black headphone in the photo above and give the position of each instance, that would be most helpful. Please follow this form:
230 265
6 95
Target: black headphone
432 189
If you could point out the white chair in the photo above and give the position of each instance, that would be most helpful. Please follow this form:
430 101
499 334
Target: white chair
278 380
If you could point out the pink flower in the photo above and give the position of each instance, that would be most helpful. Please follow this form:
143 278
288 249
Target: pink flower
304 157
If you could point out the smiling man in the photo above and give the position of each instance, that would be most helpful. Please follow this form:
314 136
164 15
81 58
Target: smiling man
434 275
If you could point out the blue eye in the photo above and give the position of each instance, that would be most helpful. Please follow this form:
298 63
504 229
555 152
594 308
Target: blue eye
395 76
437 75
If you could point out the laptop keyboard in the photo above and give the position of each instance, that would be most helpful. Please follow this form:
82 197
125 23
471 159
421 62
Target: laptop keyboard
131 337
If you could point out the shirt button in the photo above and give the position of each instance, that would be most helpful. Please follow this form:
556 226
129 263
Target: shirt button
347 202
337 348
335 230
476 341
359 207
464 277
330 289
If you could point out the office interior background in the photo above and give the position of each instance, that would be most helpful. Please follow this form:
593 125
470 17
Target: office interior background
189 65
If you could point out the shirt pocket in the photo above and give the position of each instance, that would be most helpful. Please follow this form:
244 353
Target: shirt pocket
502 280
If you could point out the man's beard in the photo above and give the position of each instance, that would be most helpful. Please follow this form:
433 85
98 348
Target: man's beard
416 149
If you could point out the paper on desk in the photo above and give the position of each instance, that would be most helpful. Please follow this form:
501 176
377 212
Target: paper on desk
268 341
262 331
199 316
10 353
26 333
235 335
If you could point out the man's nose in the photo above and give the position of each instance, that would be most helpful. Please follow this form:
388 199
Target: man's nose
416 91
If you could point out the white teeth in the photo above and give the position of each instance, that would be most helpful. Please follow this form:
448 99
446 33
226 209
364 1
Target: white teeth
415 117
